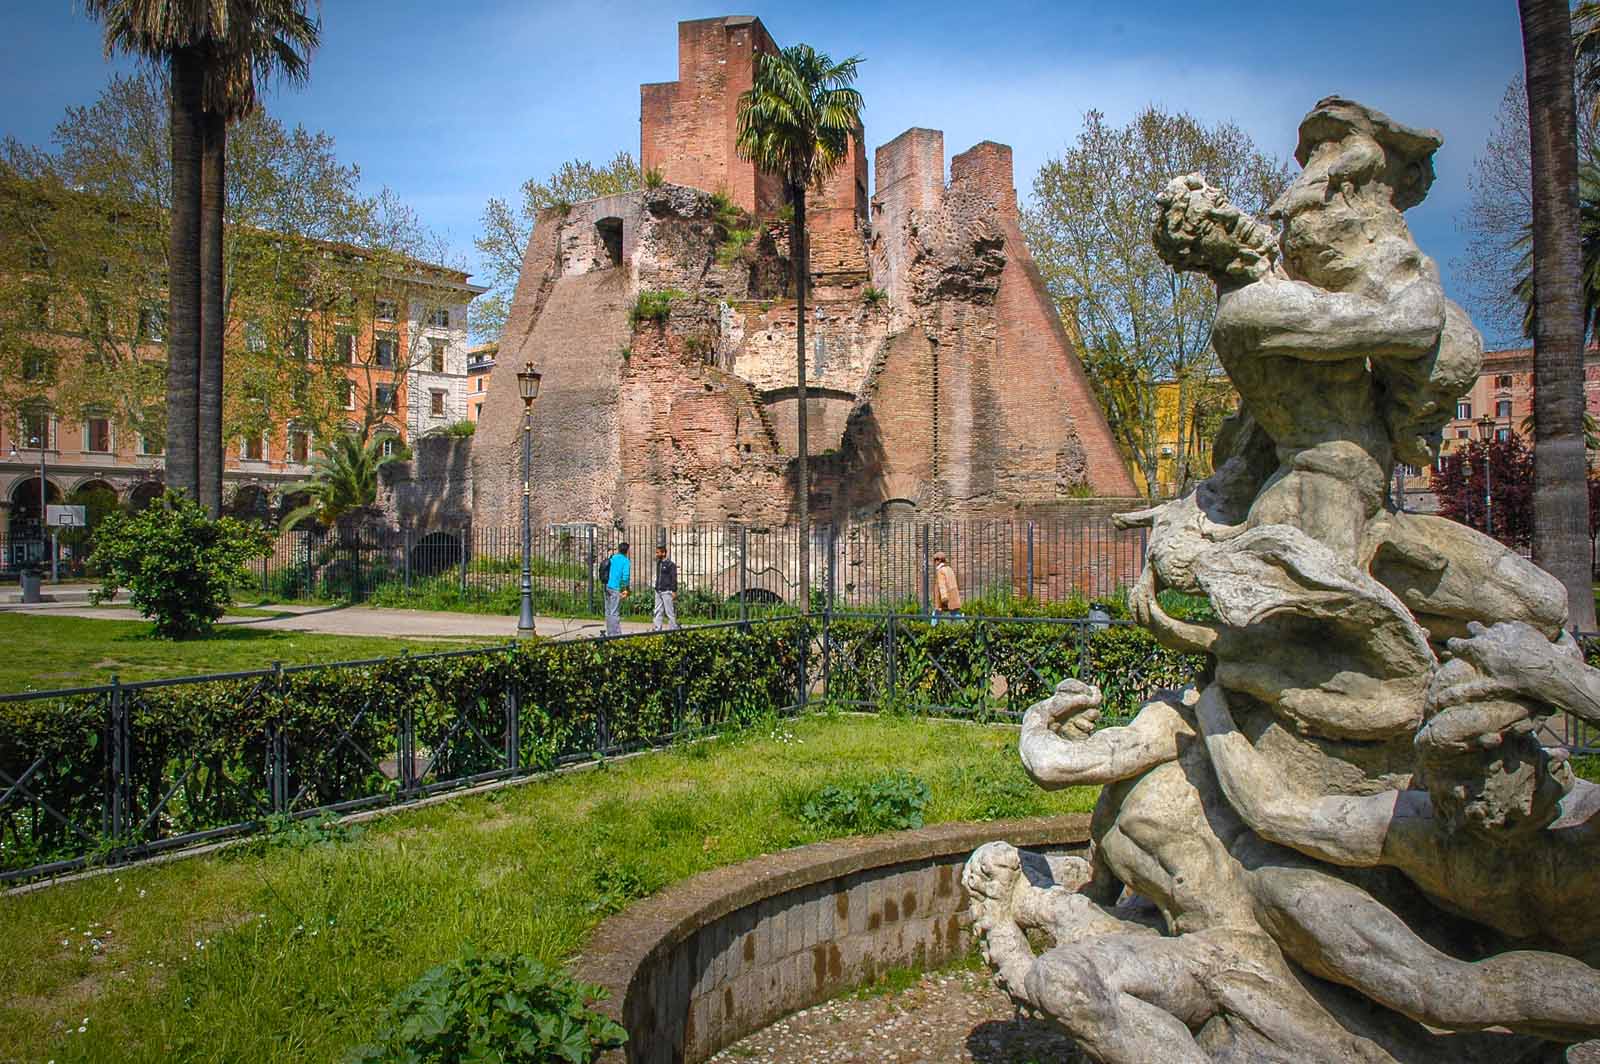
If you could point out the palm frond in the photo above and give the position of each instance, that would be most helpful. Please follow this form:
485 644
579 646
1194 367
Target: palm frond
798 116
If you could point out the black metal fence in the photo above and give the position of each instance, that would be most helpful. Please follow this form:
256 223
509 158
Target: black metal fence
873 565
121 771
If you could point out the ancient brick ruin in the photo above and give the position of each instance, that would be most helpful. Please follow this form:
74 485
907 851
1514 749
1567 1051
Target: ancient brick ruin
941 382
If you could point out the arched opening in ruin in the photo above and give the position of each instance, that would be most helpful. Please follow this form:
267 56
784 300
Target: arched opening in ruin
758 596
609 232
250 502
437 552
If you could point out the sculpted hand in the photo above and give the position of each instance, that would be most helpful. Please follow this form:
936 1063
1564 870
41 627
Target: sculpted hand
1071 712
1510 661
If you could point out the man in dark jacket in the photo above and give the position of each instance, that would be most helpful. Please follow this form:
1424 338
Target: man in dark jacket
666 612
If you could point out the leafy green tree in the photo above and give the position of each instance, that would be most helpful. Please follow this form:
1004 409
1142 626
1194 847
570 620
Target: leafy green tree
179 565
796 121
1561 496
506 229
344 480
1140 321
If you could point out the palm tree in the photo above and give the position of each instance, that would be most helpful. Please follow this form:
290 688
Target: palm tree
344 480
214 50
262 38
1561 498
796 121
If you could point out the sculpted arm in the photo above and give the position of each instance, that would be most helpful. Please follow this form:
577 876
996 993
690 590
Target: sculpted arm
1297 320
1061 749
1513 659
1346 830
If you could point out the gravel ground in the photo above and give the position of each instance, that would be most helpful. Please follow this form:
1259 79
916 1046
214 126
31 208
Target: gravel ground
943 1017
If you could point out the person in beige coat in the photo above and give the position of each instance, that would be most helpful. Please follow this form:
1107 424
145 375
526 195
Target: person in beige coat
946 592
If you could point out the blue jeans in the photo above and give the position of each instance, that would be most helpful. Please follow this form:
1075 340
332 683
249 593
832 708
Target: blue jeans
613 611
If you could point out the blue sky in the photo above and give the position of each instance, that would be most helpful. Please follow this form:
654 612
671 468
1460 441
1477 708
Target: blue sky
449 104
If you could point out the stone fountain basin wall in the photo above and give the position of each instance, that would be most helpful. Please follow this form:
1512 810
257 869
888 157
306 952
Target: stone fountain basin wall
725 953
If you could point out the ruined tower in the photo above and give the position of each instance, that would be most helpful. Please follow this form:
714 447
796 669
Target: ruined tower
940 380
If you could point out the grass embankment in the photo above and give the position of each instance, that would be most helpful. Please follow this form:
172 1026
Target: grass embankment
290 951
44 652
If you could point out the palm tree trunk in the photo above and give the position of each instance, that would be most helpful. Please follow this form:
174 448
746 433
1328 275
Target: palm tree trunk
213 198
183 277
1560 478
799 254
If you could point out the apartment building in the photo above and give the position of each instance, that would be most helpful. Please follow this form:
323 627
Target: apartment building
480 367
1500 403
400 364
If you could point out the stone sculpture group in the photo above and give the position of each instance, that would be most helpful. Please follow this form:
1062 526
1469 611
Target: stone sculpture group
1346 841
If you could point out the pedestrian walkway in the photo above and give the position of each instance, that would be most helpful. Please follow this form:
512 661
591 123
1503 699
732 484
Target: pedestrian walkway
365 620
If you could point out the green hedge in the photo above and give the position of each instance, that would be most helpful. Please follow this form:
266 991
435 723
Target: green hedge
983 667
210 744
201 755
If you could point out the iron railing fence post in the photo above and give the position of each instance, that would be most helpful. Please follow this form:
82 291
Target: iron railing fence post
120 778
744 576
924 535
513 709
406 544
1030 560
889 653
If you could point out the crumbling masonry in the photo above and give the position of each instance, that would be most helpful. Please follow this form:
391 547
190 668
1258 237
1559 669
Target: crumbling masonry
940 382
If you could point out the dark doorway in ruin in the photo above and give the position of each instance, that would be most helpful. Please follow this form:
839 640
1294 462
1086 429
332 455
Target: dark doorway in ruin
437 552
609 230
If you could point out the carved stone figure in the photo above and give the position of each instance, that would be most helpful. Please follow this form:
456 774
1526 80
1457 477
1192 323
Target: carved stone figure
1346 843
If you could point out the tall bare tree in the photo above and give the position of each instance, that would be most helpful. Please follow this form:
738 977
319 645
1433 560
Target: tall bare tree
1561 500
796 121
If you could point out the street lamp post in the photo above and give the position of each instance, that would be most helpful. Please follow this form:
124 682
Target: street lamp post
1486 427
528 386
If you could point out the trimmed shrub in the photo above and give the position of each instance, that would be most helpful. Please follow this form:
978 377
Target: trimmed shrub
180 566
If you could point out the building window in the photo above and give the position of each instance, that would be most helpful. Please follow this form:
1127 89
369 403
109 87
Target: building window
386 349
436 403
153 323
38 307
477 411
1502 380
97 433
1502 434
255 449
299 446
347 394
300 339
344 346
385 398
385 310
1463 410
439 317
391 444
436 355
37 367
255 337
1462 434
150 444
477 384
35 428
1502 408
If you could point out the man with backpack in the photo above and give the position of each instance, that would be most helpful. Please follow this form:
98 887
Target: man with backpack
616 572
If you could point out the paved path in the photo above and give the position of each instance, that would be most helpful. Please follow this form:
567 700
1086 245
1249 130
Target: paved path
364 620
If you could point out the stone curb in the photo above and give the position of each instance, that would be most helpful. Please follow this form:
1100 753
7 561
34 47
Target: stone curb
630 945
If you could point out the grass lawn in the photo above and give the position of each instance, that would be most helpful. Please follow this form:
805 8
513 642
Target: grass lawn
289 950
49 652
